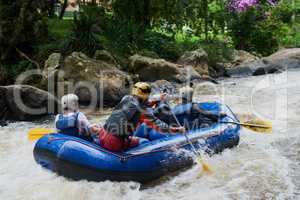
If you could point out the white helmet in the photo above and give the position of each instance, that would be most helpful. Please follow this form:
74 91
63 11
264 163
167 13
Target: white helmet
186 93
69 102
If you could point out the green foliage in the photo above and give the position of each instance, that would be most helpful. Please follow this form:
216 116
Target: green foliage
85 30
153 28
162 45
284 12
59 29
133 11
12 71
254 31
22 25
217 51
289 35
122 38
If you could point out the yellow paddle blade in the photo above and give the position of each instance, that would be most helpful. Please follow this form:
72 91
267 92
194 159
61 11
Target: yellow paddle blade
258 125
205 166
37 133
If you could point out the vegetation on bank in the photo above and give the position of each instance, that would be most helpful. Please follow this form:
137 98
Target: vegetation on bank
30 32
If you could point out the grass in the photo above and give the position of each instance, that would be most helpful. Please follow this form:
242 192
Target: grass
60 28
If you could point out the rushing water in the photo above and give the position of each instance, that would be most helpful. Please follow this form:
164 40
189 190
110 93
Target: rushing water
261 167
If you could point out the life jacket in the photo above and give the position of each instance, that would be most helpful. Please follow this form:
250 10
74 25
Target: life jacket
117 124
68 124
125 118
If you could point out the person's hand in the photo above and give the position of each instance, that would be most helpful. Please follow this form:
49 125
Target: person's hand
180 129
222 115
164 96
95 129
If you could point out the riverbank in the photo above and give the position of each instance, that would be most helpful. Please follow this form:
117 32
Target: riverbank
100 82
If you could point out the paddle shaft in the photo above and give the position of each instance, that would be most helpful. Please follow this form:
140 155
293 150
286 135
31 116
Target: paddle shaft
245 124
186 137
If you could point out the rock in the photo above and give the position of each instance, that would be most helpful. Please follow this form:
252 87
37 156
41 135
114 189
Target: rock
3 123
285 59
151 69
241 57
97 82
198 59
25 103
105 56
52 64
160 86
275 63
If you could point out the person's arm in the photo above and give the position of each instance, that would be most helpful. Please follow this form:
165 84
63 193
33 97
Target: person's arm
198 110
85 127
153 122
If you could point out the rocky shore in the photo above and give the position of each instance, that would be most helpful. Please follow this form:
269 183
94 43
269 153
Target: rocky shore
101 81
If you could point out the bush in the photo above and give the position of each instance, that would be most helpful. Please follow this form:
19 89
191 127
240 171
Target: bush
85 31
59 29
290 35
12 71
122 38
254 31
162 45
217 51
283 12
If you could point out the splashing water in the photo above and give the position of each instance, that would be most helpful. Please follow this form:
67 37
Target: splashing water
261 167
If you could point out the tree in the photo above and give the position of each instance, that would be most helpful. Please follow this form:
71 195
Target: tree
63 9
22 25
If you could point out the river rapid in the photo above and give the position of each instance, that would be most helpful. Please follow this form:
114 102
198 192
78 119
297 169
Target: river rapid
263 166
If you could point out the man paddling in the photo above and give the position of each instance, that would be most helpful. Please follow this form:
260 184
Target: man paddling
196 117
129 114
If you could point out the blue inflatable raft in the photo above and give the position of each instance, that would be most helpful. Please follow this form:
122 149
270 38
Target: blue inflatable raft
79 159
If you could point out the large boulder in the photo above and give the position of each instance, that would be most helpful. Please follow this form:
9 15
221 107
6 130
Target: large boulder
151 69
275 63
105 56
240 57
160 86
25 103
97 82
198 59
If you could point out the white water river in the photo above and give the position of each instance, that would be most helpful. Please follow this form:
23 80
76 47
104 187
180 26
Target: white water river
261 167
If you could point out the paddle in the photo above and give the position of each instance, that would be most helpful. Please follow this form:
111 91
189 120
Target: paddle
256 125
37 133
199 158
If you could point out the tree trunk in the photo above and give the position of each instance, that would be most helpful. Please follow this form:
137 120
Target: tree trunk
51 8
63 9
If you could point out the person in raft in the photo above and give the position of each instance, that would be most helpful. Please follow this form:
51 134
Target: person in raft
198 118
129 114
72 122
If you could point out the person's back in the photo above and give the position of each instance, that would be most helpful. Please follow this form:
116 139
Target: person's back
126 117
71 121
